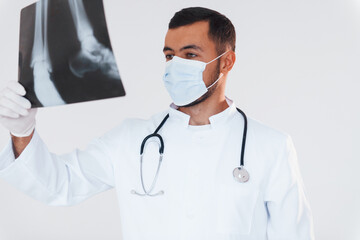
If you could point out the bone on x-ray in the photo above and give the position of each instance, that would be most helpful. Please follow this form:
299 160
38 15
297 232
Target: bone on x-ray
66 54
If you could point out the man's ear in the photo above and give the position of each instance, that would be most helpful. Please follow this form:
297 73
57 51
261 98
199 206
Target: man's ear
227 62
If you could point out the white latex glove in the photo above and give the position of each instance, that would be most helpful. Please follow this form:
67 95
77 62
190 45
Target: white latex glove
16 113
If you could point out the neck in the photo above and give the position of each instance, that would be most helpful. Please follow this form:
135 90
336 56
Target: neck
200 113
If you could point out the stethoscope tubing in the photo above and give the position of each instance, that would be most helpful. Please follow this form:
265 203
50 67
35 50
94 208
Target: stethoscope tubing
243 137
161 151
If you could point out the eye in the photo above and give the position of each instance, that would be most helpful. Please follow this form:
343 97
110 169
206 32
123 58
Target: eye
169 56
191 55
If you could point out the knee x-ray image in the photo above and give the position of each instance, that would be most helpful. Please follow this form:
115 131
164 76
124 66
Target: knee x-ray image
65 54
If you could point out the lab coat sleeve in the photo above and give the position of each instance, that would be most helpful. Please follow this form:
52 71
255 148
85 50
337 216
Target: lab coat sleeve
290 216
58 180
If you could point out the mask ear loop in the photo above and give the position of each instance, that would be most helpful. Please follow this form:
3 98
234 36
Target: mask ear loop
221 74
217 57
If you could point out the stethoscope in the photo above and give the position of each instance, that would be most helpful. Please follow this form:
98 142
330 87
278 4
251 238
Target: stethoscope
240 174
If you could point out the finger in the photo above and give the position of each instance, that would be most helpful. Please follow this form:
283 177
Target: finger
22 101
17 88
5 112
7 103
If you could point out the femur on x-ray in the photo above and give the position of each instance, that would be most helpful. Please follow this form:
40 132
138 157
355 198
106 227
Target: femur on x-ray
65 53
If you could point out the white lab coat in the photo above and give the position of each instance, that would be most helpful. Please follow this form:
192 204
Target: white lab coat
201 201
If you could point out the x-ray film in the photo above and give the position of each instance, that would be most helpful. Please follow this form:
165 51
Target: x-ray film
65 54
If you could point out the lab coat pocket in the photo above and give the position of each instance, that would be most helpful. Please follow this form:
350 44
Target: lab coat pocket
235 207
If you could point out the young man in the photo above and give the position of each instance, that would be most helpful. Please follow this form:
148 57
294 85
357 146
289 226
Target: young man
196 190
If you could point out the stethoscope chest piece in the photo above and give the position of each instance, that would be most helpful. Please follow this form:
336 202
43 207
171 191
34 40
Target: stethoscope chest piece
240 174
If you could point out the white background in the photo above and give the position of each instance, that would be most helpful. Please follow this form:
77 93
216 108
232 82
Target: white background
297 70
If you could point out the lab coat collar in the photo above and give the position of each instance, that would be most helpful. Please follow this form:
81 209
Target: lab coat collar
215 120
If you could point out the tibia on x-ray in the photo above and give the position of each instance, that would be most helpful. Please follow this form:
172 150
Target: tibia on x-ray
40 51
44 87
92 55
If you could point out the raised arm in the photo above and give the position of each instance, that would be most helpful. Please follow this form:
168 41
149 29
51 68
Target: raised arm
20 143
28 165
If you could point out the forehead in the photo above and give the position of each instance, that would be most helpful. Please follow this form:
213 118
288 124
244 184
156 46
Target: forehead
196 33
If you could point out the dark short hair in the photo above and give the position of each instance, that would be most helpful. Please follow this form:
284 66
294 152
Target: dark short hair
221 30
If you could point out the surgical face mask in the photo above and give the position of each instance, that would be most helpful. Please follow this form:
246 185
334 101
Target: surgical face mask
183 79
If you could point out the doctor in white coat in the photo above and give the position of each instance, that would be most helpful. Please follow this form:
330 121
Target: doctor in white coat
197 191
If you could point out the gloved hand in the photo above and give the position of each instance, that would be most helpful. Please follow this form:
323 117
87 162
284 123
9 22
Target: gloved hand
16 113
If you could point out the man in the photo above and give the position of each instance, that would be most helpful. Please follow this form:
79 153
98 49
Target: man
195 194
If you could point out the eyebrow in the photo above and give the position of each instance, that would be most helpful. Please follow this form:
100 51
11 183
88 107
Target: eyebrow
193 46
